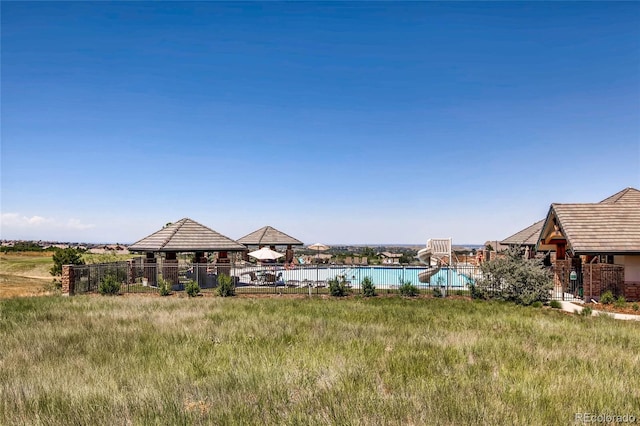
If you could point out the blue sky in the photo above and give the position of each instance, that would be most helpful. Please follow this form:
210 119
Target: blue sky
335 122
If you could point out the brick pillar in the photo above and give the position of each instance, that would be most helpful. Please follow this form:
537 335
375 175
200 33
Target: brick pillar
592 281
68 280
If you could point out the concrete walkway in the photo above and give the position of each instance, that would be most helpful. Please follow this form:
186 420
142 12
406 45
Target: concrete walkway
575 308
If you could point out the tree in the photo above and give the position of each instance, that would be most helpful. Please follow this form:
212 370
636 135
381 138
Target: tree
514 278
67 256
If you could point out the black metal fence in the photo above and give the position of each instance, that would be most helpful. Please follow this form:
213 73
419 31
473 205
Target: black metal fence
140 277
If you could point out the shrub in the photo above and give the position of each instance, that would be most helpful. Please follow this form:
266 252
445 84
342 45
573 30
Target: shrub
607 298
67 256
586 311
635 307
620 302
459 293
437 292
555 304
514 278
338 287
407 289
226 288
109 286
368 289
192 288
537 304
164 286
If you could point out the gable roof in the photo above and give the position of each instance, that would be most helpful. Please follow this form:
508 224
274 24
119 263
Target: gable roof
526 237
626 196
186 235
609 227
269 236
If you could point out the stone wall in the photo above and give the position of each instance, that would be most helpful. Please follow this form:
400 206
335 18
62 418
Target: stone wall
632 291
600 277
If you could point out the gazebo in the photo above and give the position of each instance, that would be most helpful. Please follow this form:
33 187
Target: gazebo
185 236
271 237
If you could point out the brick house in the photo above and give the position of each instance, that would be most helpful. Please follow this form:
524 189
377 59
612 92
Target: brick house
600 242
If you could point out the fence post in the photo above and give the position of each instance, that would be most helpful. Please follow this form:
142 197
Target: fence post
68 280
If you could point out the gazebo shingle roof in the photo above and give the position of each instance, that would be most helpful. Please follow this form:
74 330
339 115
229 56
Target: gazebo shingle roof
269 236
186 235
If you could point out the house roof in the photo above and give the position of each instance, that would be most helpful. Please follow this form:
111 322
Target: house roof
391 255
526 237
186 235
269 236
609 227
626 196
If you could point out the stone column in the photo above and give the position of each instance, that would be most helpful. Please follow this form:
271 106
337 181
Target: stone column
68 280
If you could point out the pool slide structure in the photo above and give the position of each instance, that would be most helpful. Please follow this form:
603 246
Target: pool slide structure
433 256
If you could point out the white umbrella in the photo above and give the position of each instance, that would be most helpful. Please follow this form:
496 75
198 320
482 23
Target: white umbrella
317 247
265 253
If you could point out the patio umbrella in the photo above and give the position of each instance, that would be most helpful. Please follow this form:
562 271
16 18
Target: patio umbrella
317 247
265 253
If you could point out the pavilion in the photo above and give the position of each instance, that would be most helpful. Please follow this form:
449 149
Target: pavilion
271 237
185 236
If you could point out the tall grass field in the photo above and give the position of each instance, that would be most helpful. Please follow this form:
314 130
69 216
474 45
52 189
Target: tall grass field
149 360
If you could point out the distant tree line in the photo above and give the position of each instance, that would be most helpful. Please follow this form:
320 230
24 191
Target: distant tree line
24 246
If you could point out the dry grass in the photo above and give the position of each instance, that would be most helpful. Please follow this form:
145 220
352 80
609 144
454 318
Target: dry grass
24 274
153 360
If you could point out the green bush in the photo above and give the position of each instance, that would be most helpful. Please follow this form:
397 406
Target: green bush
607 298
192 288
514 278
368 289
109 286
437 292
635 307
164 286
620 302
586 311
67 256
338 287
407 289
555 304
226 288
537 304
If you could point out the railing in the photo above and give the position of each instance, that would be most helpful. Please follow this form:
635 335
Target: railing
142 277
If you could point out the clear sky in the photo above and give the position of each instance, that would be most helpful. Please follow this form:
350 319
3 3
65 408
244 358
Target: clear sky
334 122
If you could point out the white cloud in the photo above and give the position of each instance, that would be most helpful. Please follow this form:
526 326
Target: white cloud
16 221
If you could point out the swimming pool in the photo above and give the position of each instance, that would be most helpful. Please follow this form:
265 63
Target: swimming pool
381 276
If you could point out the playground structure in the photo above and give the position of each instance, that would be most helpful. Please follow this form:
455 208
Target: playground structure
436 254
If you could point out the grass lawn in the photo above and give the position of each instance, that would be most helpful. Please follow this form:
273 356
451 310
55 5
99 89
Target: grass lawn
209 360
24 274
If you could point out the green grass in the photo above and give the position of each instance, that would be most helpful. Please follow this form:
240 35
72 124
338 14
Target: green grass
152 360
26 264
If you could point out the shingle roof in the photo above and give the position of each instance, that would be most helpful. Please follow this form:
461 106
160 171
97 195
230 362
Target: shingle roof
626 196
611 226
269 236
186 235
526 237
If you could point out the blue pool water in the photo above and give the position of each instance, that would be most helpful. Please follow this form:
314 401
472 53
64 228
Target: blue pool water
381 276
